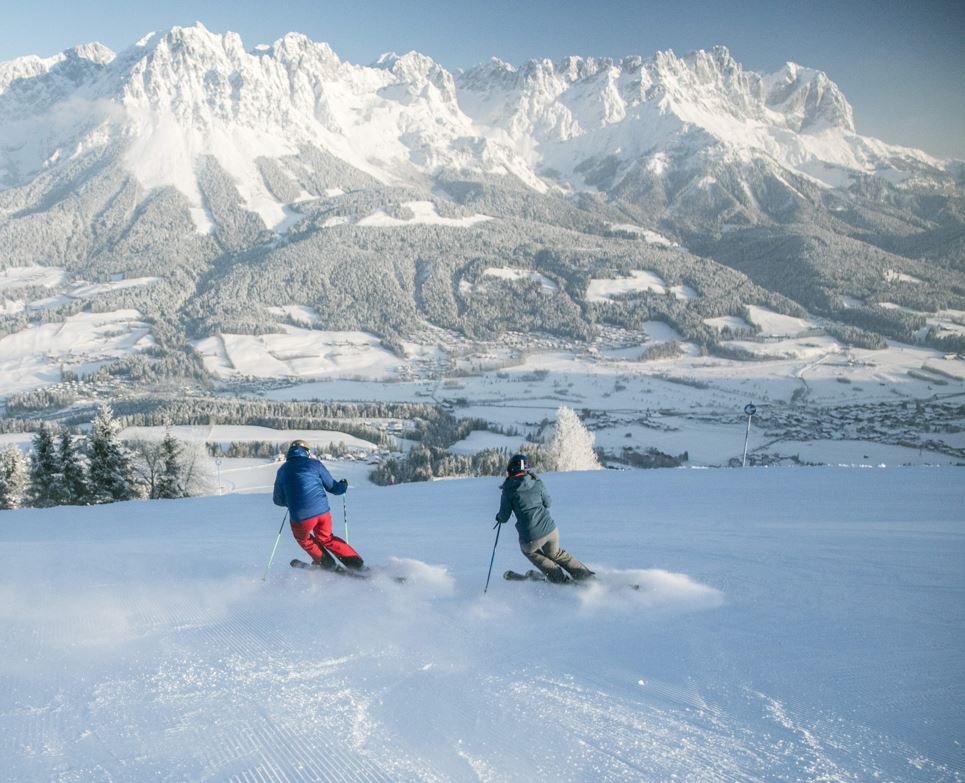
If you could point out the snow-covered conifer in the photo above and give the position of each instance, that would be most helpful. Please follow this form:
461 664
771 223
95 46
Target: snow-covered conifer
571 447
111 466
45 475
168 484
13 478
73 489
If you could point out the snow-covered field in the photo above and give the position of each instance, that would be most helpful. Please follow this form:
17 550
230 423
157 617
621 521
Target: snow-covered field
423 212
694 403
680 403
772 323
35 356
648 236
792 624
17 276
547 286
227 475
250 475
227 433
604 289
297 352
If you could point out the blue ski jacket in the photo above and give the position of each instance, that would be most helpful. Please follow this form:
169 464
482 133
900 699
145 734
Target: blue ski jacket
301 484
525 496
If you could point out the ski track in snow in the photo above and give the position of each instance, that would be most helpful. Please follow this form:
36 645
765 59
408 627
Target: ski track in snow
157 653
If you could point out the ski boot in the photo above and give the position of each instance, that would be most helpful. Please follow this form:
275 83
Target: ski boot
557 576
354 563
326 561
581 574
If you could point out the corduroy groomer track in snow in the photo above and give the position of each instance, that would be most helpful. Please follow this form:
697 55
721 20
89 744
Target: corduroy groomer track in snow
792 624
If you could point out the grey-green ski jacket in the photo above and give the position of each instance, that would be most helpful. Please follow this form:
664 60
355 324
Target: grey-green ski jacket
525 496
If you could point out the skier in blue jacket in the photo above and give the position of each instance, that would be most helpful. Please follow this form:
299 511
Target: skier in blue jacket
301 484
525 496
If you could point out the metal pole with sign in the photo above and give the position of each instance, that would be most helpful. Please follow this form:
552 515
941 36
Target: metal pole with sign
750 409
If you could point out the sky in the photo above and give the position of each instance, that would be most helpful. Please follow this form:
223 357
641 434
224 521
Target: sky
900 64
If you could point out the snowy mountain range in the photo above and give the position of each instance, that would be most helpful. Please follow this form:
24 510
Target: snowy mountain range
253 178
582 122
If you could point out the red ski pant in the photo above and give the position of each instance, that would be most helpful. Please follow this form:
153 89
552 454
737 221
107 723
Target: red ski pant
316 532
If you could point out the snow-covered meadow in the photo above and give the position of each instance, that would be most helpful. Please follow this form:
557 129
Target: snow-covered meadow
793 624
602 290
639 391
35 357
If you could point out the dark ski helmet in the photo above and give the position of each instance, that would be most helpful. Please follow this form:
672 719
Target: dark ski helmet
517 464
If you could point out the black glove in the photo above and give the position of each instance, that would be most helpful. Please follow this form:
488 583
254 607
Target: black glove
343 483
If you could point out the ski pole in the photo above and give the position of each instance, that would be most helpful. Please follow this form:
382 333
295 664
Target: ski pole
277 539
345 517
498 526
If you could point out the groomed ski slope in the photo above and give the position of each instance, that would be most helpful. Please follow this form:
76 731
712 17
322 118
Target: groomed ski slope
795 624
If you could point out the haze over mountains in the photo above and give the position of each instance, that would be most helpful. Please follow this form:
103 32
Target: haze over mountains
219 181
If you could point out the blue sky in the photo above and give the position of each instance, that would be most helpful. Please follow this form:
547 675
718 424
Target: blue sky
901 64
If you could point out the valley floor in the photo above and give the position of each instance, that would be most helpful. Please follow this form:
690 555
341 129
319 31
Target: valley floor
793 624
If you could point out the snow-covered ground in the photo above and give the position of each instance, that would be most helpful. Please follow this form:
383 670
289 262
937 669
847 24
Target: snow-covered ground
648 236
83 342
772 323
17 276
792 624
604 289
512 274
239 475
731 322
90 290
423 212
297 352
687 402
477 440
54 277
694 403
227 433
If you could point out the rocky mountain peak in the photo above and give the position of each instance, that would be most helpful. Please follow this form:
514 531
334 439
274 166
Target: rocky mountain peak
187 93
809 99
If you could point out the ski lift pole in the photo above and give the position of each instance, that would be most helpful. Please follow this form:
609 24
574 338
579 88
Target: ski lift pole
277 539
492 559
750 409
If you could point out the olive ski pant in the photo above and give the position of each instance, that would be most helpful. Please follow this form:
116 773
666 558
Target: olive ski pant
546 555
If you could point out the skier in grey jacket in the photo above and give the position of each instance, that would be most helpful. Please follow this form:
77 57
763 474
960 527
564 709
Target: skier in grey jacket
525 496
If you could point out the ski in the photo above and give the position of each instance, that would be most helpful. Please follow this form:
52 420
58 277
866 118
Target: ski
529 576
365 573
536 576
339 570
533 576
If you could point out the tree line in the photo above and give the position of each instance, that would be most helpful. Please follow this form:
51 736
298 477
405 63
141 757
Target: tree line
68 468
569 448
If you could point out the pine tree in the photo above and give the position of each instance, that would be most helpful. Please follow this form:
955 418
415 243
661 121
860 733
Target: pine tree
13 478
45 475
111 467
169 482
73 489
571 447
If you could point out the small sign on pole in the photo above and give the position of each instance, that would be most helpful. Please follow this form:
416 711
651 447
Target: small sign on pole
750 409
